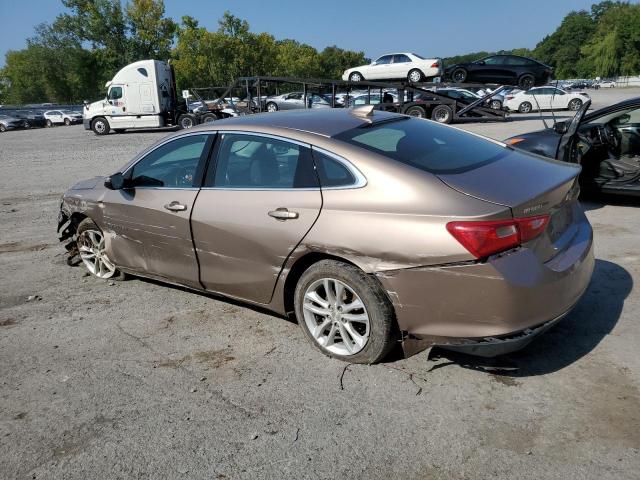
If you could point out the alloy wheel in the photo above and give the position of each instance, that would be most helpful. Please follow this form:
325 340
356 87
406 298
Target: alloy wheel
336 316
91 248
272 107
415 76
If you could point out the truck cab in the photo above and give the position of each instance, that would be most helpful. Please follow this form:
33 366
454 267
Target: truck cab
141 95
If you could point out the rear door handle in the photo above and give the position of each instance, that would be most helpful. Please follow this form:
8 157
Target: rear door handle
175 207
283 214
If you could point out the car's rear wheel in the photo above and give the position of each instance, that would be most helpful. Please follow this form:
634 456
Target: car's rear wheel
344 312
100 126
526 82
525 107
575 104
416 111
415 75
67 122
459 75
442 114
496 104
49 123
272 107
356 77
91 249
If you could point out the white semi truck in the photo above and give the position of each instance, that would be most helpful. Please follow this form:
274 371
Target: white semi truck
143 95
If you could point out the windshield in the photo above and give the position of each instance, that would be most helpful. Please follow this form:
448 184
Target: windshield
426 145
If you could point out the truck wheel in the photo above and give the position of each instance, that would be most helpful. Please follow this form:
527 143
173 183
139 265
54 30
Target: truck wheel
442 114
416 111
415 76
100 126
208 118
186 121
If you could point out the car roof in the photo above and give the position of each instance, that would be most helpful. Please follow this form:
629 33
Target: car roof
324 122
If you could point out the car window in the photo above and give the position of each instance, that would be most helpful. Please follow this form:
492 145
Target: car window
511 60
294 96
427 146
172 165
256 162
384 60
115 93
331 172
493 60
401 59
628 116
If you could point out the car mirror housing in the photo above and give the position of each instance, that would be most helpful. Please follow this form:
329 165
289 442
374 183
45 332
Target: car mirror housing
560 127
115 182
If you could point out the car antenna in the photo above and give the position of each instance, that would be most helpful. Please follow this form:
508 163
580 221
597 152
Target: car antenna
540 111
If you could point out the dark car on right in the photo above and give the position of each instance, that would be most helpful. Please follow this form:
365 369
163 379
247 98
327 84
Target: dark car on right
502 69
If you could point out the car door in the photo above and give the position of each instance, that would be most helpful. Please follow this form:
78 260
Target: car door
381 69
488 69
400 66
540 98
559 99
147 223
118 108
292 101
256 206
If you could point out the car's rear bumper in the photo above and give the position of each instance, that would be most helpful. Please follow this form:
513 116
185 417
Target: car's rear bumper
507 295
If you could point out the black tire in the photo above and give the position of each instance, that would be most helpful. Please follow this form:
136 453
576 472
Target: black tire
442 114
2 128
100 126
356 77
67 122
526 82
208 118
415 76
459 75
186 120
525 107
416 111
48 123
271 107
496 104
382 326
88 224
575 104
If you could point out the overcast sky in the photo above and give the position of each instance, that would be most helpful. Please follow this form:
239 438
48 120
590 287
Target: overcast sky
439 28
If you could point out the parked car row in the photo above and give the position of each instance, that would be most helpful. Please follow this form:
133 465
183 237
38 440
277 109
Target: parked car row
21 119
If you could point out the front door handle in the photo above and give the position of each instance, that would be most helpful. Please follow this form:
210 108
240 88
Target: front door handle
175 206
283 214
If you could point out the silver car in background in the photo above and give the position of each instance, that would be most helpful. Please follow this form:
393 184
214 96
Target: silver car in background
296 100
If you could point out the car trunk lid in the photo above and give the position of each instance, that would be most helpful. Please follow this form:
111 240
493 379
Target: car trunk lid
530 186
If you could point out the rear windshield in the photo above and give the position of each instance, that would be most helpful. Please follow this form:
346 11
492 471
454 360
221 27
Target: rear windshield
426 145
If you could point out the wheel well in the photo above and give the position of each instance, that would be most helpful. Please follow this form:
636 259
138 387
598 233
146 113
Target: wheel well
298 268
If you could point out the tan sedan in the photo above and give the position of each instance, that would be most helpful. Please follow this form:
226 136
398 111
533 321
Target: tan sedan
372 228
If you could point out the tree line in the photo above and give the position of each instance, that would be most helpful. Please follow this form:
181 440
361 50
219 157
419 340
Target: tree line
71 58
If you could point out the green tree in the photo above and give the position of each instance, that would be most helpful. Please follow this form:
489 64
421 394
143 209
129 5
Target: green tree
150 34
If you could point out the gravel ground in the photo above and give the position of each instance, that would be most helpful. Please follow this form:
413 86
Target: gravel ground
141 380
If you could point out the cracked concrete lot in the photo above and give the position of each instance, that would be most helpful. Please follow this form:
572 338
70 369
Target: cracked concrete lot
141 380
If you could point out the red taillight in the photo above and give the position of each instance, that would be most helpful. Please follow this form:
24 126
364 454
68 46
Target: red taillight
486 238
435 65
509 97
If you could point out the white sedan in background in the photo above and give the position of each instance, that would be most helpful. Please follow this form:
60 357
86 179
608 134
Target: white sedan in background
545 98
59 117
395 66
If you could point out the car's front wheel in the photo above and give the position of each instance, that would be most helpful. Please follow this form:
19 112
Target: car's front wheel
344 312
2 128
575 104
272 107
67 122
91 249
459 75
49 123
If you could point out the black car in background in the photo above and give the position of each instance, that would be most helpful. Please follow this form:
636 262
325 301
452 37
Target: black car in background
502 69
32 118
606 143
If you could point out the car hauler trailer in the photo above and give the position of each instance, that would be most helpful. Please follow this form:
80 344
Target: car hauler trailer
415 99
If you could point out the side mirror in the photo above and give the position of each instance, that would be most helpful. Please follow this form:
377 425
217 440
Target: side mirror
115 182
561 128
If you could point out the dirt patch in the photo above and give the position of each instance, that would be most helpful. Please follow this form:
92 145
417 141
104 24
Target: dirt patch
13 247
7 322
504 380
212 358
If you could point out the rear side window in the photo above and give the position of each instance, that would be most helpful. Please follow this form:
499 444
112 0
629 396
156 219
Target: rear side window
426 145
331 172
256 162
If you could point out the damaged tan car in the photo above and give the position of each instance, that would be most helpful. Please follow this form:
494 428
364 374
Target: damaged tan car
372 228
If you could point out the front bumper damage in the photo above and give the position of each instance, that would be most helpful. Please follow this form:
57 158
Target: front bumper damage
67 234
